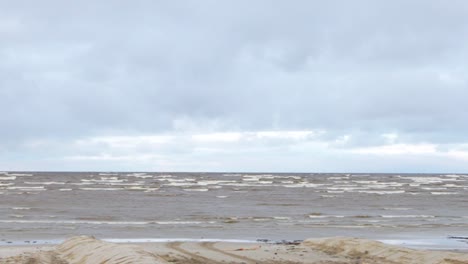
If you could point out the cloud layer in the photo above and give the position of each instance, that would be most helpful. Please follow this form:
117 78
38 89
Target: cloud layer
89 72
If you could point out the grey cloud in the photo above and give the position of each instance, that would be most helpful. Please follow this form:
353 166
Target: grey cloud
80 69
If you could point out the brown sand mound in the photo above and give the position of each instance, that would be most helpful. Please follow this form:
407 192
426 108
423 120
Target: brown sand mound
85 249
376 252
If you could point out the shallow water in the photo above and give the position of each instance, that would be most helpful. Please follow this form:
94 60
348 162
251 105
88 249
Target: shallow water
53 205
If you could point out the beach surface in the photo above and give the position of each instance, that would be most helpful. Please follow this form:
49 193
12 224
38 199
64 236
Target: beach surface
337 250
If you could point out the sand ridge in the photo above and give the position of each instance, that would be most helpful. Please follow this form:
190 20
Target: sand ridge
382 253
338 250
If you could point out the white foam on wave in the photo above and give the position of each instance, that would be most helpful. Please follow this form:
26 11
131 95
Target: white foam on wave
212 182
433 188
20 174
430 179
101 189
21 208
196 190
45 183
139 175
27 188
338 178
452 175
407 216
444 193
326 216
182 222
16 216
164 176
383 192
245 184
348 188
104 180
126 183
397 208
75 222
451 185
141 188
303 185
8 178
180 184
88 222
281 218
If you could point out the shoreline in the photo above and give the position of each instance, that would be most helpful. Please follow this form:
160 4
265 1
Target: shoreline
435 243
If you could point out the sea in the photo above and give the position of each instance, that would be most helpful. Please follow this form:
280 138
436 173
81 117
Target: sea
416 210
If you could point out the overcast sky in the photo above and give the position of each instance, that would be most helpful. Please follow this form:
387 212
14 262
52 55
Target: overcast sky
263 85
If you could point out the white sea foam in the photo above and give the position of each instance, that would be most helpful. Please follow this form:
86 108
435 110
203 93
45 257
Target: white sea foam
45 183
182 222
8 178
397 208
20 174
338 178
101 189
21 208
77 222
232 175
451 185
27 188
429 180
196 190
281 218
407 216
433 188
452 175
180 184
126 183
16 216
139 175
213 182
164 176
303 185
104 180
383 192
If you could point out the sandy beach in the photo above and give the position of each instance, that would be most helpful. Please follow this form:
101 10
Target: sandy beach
337 250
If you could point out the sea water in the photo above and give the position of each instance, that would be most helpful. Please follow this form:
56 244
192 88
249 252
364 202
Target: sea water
419 210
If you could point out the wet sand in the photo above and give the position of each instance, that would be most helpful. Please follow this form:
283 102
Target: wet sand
84 249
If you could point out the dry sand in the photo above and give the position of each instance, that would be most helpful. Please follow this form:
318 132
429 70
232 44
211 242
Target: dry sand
85 249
